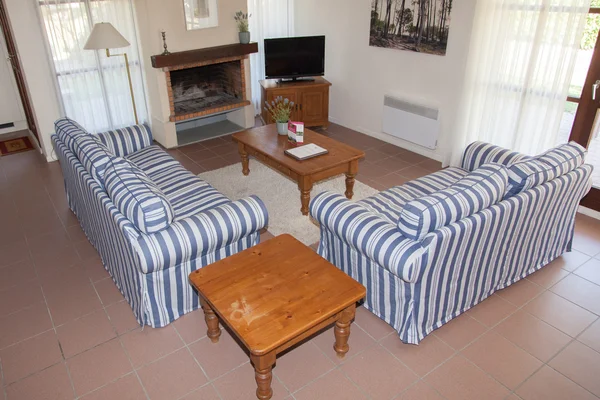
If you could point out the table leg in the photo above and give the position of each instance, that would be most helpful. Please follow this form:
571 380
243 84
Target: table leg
305 185
263 367
342 331
212 322
245 160
350 186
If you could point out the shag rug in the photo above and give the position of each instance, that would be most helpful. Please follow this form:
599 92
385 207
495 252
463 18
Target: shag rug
280 194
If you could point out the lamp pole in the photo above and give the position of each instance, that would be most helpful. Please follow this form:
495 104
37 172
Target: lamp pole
129 79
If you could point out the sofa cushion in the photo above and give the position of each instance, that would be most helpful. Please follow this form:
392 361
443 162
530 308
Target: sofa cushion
389 203
188 194
478 190
67 130
556 162
94 156
127 140
137 197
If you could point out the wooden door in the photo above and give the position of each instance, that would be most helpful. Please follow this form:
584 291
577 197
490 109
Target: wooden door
313 106
291 95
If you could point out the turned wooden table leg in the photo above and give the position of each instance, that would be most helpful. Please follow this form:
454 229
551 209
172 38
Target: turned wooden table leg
245 160
263 367
350 175
305 185
212 322
342 331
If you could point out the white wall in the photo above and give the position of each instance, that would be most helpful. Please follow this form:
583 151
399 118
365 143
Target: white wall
362 75
38 73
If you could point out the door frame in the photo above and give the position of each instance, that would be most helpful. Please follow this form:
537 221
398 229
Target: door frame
13 55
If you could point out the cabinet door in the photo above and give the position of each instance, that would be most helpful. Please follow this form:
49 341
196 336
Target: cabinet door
314 106
291 95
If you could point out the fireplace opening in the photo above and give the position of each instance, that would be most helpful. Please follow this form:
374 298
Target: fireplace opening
209 87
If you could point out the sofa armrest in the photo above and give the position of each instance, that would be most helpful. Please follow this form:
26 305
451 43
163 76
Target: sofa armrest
201 234
127 140
478 153
369 234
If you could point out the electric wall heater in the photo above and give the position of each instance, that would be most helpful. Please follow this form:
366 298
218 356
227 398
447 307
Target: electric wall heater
411 122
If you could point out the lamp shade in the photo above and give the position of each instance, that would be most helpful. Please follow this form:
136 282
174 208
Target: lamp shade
105 36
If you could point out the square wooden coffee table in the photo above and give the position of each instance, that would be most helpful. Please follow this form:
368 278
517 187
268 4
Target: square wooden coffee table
273 296
267 146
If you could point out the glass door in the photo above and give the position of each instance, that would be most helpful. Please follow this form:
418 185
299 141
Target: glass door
581 119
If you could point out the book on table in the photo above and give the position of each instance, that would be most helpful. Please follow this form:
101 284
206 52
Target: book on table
305 152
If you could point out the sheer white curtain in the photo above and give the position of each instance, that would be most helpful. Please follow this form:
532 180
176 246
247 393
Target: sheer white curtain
521 59
94 89
270 19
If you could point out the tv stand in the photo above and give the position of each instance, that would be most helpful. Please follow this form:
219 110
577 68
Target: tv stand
311 98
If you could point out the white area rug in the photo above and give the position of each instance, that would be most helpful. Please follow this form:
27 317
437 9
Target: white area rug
280 194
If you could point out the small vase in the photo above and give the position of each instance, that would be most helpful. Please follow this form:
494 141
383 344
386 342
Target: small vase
244 37
282 128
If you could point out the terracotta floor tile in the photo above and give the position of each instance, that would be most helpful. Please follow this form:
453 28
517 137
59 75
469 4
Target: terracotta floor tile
108 292
391 180
333 386
570 261
24 324
501 359
95 270
580 364
385 378
18 297
591 336
301 365
84 333
73 303
460 331
85 250
17 274
459 379
51 383
172 377
533 335
547 384
76 234
214 163
560 313
98 366
590 271
420 391
144 346
13 253
218 358
191 326
423 358
30 356
520 292
121 317
579 291
126 388
239 384
202 154
413 172
206 392
549 274
372 324
55 261
359 340
492 310
48 243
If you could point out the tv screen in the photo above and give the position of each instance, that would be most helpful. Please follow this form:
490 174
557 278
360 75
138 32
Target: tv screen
291 58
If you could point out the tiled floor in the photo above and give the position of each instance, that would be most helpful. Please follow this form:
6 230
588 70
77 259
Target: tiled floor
66 332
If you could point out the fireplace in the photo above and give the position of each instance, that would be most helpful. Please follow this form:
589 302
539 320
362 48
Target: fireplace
206 88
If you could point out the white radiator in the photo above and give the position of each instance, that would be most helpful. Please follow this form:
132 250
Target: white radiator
411 122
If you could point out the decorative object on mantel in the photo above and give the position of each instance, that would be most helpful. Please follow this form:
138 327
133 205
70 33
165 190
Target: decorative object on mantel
241 19
105 36
164 38
200 14
281 110
201 55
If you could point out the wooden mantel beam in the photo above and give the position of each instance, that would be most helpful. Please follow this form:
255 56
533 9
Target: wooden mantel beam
199 55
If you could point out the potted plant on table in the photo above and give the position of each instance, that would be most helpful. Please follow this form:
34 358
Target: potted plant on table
281 110
241 19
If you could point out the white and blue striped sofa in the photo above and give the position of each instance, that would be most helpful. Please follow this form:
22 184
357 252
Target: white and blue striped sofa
434 247
152 221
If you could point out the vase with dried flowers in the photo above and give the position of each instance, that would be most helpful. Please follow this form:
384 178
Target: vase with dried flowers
241 19
281 110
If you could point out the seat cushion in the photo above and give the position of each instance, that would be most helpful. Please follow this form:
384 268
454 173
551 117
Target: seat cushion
94 156
478 190
137 197
389 204
556 162
188 194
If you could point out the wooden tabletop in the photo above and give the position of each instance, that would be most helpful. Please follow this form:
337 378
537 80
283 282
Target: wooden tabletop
267 141
272 293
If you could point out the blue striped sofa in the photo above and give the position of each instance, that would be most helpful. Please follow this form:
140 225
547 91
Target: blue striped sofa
152 221
434 247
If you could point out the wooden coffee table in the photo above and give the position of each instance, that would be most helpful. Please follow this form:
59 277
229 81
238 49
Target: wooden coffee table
273 296
267 146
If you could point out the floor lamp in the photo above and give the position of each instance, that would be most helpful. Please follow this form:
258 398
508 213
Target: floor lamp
106 36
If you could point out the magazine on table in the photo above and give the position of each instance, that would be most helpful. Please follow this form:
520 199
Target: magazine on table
305 152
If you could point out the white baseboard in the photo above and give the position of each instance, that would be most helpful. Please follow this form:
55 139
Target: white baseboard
589 212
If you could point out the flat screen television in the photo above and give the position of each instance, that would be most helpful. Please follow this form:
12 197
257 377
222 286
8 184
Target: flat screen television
294 58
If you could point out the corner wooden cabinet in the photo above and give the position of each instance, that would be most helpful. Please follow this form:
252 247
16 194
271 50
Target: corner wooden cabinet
311 98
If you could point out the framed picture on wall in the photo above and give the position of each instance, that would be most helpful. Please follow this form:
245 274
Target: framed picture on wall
200 14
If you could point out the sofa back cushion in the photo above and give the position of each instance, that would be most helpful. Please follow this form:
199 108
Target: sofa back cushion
67 130
477 191
137 197
94 156
556 162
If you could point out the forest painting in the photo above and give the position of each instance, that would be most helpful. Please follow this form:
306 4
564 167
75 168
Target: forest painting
417 25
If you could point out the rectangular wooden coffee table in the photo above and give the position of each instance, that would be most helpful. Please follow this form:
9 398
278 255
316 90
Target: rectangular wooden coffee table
273 296
267 146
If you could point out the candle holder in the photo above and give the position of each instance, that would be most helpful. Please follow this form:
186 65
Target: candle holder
164 37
